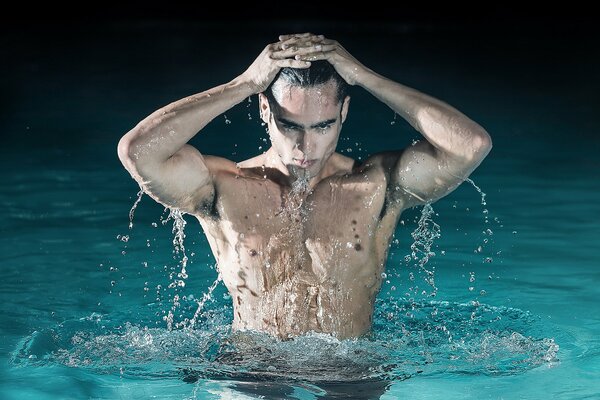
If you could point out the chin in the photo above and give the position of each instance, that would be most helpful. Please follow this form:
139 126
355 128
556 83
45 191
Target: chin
299 173
303 173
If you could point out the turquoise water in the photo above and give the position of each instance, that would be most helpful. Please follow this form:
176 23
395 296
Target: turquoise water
490 294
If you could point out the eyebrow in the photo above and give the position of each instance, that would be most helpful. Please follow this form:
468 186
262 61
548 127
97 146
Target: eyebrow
296 125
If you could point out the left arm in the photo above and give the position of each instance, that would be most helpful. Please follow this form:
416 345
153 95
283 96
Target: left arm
454 145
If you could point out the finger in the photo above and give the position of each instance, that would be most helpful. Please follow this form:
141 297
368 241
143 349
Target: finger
328 42
300 41
320 55
316 47
293 63
283 54
296 35
301 49
296 43
294 50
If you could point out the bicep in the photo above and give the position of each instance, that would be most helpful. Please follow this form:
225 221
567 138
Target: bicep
183 181
422 174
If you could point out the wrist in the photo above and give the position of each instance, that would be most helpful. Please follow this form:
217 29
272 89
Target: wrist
247 83
366 78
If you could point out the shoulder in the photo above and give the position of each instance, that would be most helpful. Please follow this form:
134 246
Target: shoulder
217 165
341 164
381 163
252 162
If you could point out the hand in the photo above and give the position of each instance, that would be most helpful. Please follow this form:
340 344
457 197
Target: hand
287 52
320 48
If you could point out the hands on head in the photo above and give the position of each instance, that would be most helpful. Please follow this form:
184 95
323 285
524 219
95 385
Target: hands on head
297 51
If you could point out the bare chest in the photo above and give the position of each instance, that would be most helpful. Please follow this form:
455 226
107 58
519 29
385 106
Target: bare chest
267 235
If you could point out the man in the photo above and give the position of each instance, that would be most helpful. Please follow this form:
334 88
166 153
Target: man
300 233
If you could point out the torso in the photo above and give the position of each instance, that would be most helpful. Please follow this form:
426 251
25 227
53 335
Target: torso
300 262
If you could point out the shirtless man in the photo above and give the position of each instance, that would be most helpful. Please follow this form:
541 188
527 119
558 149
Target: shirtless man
301 233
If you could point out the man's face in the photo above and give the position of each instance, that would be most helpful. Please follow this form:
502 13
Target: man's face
304 125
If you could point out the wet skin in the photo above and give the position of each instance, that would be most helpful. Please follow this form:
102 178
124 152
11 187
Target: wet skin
301 261
301 233
309 258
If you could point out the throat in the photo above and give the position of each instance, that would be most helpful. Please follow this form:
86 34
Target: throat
300 187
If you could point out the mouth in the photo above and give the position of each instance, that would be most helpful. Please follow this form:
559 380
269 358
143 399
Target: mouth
303 162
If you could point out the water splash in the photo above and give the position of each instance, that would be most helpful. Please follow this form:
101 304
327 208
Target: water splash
487 241
483 195
205 298
488 341
140 194
300 186
424 235
177 278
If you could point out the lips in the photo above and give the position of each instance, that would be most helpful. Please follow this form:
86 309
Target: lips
303 163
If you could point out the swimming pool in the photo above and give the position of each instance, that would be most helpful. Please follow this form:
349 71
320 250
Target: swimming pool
513 251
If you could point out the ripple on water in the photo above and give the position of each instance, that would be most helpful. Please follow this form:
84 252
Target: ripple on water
407 339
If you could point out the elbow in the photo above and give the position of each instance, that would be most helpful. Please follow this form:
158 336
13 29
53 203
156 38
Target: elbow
128 152
124 151
485 143
481 145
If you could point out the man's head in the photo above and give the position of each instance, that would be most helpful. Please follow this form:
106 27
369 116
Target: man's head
304 109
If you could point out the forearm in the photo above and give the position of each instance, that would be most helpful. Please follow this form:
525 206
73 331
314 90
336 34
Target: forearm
165 131
446 128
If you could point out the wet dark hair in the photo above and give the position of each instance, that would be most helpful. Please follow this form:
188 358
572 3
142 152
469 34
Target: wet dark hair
319 72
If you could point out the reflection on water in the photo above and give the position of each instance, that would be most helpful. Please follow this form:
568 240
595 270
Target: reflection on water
408 338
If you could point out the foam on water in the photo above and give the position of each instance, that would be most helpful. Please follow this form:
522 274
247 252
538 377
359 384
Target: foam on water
407 339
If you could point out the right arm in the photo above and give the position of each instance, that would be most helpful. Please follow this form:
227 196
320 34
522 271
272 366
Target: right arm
156 153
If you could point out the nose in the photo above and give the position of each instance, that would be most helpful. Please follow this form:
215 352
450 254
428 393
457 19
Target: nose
305 143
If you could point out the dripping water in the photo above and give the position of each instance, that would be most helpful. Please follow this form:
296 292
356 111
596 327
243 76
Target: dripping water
424 235
135 204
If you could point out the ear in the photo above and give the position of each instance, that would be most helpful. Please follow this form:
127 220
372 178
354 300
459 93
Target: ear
263 108
345 106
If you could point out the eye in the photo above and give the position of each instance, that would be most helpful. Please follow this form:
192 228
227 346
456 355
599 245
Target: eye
324 128
289 128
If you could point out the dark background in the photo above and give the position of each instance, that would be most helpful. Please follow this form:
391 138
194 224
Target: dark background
74 79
